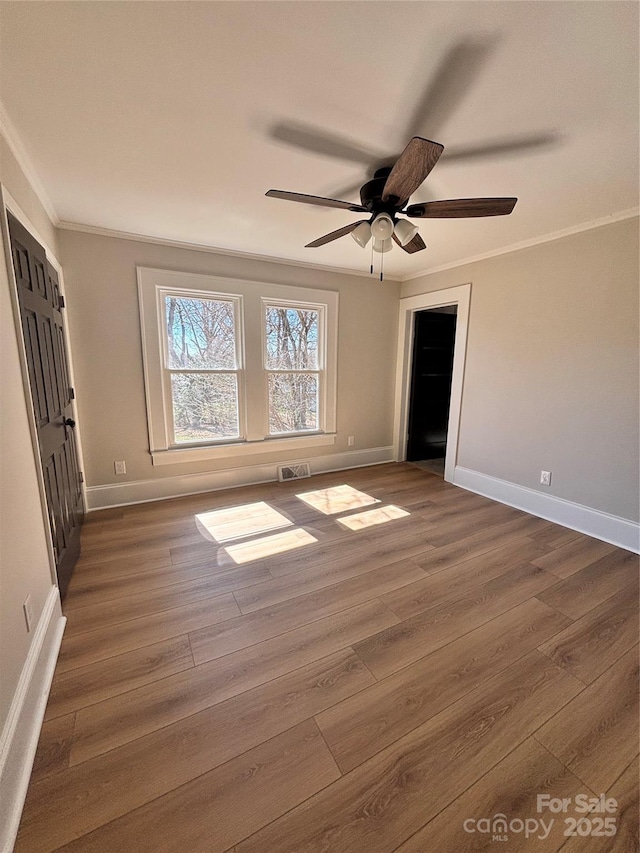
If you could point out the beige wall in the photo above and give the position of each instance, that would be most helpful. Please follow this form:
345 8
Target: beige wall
100 278
24 560
551 378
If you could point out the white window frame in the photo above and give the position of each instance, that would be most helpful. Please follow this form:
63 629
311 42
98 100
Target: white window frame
251 296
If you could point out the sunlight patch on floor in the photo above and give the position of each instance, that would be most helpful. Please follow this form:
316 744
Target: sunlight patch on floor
336 499
382 514
236 522
268 546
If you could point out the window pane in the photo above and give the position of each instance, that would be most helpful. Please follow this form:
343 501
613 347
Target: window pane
205 406
293 402
292 339
200 334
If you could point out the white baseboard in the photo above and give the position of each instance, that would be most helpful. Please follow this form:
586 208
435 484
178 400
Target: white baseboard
142 491
592 522
20 735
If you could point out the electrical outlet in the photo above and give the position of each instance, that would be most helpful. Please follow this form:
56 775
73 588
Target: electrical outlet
545 478
120 467
351 441
28 612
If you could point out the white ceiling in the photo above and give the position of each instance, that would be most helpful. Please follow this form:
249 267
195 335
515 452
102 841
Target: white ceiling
156 118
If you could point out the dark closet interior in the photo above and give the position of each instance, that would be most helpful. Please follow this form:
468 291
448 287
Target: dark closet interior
432 367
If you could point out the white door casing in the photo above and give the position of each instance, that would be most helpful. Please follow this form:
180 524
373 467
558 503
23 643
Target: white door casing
461 297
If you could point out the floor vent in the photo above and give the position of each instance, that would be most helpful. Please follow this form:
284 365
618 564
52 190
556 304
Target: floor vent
294 471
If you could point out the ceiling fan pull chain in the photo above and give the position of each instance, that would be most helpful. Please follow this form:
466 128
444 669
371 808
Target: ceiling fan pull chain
371 267
381 267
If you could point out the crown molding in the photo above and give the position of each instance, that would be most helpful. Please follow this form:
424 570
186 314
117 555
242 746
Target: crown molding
533 241
202 247
12 138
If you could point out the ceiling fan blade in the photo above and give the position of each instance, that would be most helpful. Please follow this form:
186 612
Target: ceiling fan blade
462 207
500 148
411 168
452 79
320 142
335 234
416 244
316 199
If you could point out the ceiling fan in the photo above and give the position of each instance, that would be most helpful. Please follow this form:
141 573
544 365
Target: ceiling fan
386 196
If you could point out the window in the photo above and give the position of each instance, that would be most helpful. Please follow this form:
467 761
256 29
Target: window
235 367
201 363
293 368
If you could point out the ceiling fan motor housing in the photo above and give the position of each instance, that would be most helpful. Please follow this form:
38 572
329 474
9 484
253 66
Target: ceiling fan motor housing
371 194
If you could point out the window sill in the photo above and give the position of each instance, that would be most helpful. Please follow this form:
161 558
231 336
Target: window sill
182 455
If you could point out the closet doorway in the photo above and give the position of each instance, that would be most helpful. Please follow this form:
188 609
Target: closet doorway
434 333
432 340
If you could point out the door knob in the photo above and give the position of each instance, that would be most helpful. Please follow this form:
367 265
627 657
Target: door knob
69 422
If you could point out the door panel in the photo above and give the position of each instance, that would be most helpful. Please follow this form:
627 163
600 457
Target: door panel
51 393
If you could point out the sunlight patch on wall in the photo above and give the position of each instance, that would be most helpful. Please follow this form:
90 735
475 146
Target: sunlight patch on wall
360 520
236 522
268 546
336 499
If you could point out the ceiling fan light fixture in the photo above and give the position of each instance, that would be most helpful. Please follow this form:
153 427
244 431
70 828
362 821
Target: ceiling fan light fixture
405 231
382 245
382 228
362 234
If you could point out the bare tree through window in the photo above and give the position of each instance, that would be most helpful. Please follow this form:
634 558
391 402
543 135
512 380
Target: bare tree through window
292 362
201 358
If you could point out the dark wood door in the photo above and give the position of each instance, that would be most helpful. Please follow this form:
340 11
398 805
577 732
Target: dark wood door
41 307
433 347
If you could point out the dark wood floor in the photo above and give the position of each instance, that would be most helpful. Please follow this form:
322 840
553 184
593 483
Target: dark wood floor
368 692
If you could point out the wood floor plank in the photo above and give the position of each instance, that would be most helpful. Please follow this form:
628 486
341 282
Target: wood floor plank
625 791
226 804
594 584
469 522
467 547
102 614
54 747
118 720
218 640
509 789
117 566
379 546
553 536
459 579
87 685
98 791
434 488
98 645
336 566
596 736
577 554
135 554
594 642
364 724
384 801
99 590
124 536
414 638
